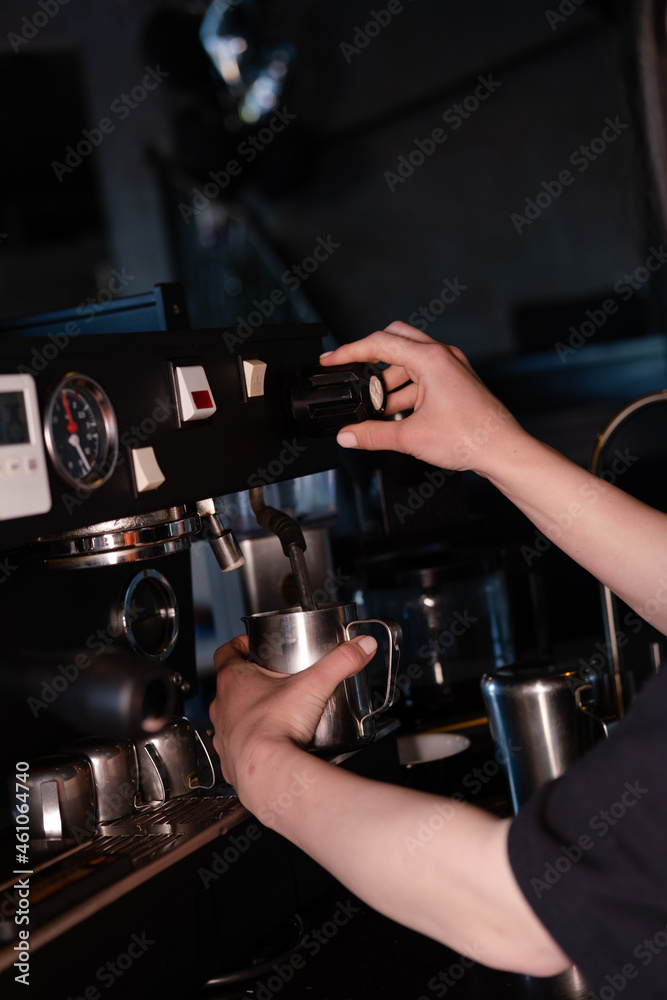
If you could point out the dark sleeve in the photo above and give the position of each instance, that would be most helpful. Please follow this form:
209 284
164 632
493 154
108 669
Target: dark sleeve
589 852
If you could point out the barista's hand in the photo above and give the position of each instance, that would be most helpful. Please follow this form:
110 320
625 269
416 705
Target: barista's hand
456 422
256 710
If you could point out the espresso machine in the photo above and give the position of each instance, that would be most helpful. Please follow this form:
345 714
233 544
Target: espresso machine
122 434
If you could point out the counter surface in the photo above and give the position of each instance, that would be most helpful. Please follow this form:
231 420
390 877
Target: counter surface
350 952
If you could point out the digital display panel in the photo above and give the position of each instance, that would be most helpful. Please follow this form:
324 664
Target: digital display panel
13 419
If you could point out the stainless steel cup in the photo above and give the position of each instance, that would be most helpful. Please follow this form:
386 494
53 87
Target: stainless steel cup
291 640
170 762
61 799
115 776
540 723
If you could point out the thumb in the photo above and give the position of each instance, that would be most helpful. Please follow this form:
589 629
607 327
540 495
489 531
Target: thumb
372 435
344 661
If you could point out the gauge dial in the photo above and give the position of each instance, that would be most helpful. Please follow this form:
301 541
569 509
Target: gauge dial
81 432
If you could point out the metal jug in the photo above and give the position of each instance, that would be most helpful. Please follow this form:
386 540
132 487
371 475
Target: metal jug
541 721
289 641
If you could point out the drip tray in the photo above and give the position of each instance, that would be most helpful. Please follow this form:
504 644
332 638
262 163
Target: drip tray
69 882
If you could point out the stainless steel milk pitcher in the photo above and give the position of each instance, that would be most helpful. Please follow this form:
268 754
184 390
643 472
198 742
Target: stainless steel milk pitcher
291 640
542 720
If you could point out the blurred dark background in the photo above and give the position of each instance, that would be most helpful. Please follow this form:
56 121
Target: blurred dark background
312 170
357 109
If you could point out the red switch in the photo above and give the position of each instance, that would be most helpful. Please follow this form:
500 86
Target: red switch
195 398
202 399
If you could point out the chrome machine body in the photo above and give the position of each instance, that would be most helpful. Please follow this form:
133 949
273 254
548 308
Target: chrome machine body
115 452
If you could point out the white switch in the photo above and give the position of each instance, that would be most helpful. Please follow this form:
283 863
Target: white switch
194 393
147 473
254 371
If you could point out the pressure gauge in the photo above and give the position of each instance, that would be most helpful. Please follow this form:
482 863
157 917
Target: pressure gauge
81 431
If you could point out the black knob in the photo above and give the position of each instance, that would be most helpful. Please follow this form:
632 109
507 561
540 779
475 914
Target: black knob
325 399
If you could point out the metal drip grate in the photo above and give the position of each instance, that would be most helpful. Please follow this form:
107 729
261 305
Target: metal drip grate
79 880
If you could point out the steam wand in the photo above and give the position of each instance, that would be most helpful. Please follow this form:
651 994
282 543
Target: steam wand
292 541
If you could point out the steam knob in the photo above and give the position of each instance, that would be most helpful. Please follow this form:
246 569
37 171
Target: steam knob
325 399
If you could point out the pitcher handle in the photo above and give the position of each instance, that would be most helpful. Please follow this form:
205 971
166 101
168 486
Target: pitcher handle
395 634
608 724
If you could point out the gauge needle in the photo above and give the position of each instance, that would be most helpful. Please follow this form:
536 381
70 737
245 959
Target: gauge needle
73 439
72 425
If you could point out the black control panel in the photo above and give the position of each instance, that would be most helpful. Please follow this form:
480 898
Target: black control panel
118 425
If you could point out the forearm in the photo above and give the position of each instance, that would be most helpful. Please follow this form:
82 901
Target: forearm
436 865
618 539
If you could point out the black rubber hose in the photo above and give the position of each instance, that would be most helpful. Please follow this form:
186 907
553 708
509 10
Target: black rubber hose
292 541
276 521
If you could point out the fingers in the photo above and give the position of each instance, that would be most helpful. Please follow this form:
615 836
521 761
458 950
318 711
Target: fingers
404 399
394 377
409 332
393 348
